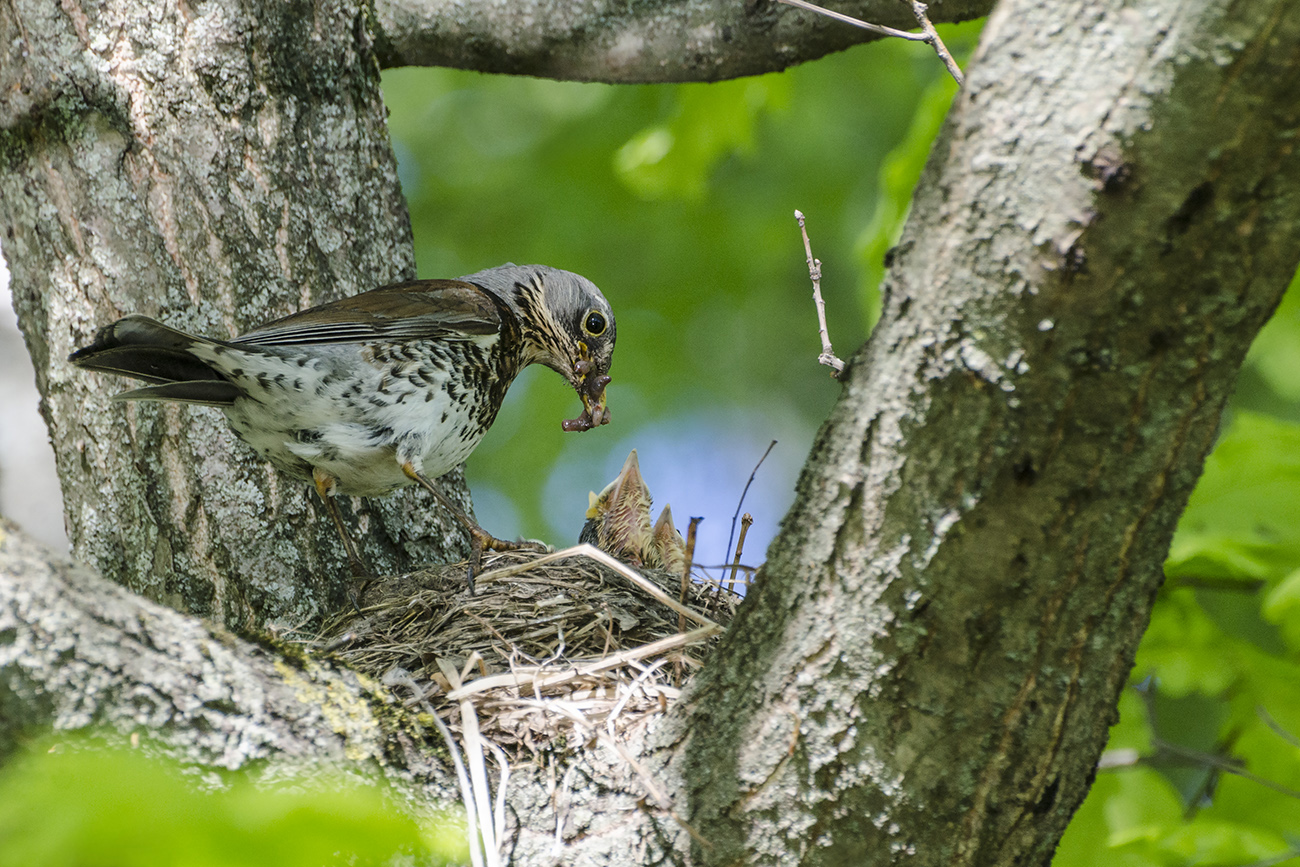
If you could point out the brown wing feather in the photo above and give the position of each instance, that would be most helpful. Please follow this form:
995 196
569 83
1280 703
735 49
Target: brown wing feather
415 310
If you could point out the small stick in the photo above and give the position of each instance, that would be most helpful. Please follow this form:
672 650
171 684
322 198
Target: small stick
745 524
928 35
686 572
827 357
919 10
686 582
736 514
858 22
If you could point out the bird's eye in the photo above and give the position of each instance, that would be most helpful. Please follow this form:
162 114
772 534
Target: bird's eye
594 324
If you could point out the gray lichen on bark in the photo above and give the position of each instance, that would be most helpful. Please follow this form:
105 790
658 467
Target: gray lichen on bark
215 168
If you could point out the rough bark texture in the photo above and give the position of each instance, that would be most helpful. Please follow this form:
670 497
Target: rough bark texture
212 166
77 652
929 662
933 653
662 40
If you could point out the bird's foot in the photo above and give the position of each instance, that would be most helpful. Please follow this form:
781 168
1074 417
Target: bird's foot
357 590
481 540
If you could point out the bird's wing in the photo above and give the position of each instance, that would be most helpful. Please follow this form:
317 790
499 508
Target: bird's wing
416 310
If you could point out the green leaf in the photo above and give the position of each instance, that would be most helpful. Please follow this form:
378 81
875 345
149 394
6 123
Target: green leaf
707 123
1243 519
80 806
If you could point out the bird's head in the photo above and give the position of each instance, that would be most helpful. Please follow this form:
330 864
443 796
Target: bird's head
566 324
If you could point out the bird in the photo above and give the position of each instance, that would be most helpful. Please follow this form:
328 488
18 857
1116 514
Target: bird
388 388
618 522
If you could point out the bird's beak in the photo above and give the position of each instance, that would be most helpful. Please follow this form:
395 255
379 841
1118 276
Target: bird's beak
629 479
591 390
593 401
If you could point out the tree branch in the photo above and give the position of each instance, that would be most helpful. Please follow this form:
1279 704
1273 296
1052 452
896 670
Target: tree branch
667 40
80 652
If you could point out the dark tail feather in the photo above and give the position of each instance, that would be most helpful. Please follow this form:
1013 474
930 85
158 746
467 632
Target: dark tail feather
207 392
143 348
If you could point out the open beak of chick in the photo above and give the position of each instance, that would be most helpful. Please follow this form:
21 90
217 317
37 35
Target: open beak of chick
618 522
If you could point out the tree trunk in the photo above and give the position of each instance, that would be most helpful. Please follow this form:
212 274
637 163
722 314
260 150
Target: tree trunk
932 656
215 172
929 662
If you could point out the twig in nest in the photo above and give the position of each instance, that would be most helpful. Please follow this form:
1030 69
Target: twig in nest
828 356
536 677
585 550
467 792
740 504
927 35
686 572
686 583
745 523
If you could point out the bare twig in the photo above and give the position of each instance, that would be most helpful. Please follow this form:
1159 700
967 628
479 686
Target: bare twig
857 22
927 35
686 572
740 504
467 797
678 671
745 523
919 10
815 272
1164 749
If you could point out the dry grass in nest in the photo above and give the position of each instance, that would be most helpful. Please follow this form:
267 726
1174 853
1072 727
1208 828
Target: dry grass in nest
549 645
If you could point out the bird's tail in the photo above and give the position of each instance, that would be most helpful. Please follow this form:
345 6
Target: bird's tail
144 348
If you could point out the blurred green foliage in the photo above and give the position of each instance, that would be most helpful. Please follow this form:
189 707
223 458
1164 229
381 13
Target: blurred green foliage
73 804
678 201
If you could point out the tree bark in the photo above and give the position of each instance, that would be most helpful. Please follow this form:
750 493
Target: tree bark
214 170
665 40
933 653
929 662
81 653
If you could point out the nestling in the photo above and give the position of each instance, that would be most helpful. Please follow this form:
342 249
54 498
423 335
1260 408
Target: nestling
388 388
618 522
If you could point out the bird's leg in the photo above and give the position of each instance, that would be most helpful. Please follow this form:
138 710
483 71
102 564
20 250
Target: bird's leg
480 540
361 575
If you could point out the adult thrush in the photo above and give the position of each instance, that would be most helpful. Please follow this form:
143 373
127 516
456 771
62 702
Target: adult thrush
392 387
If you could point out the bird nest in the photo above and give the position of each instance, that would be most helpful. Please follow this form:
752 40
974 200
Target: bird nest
550 646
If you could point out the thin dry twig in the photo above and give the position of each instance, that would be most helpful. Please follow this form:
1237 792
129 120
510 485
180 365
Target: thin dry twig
919 9
828 356
927 35
539 677
420 695
686 572
741 504
745 523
